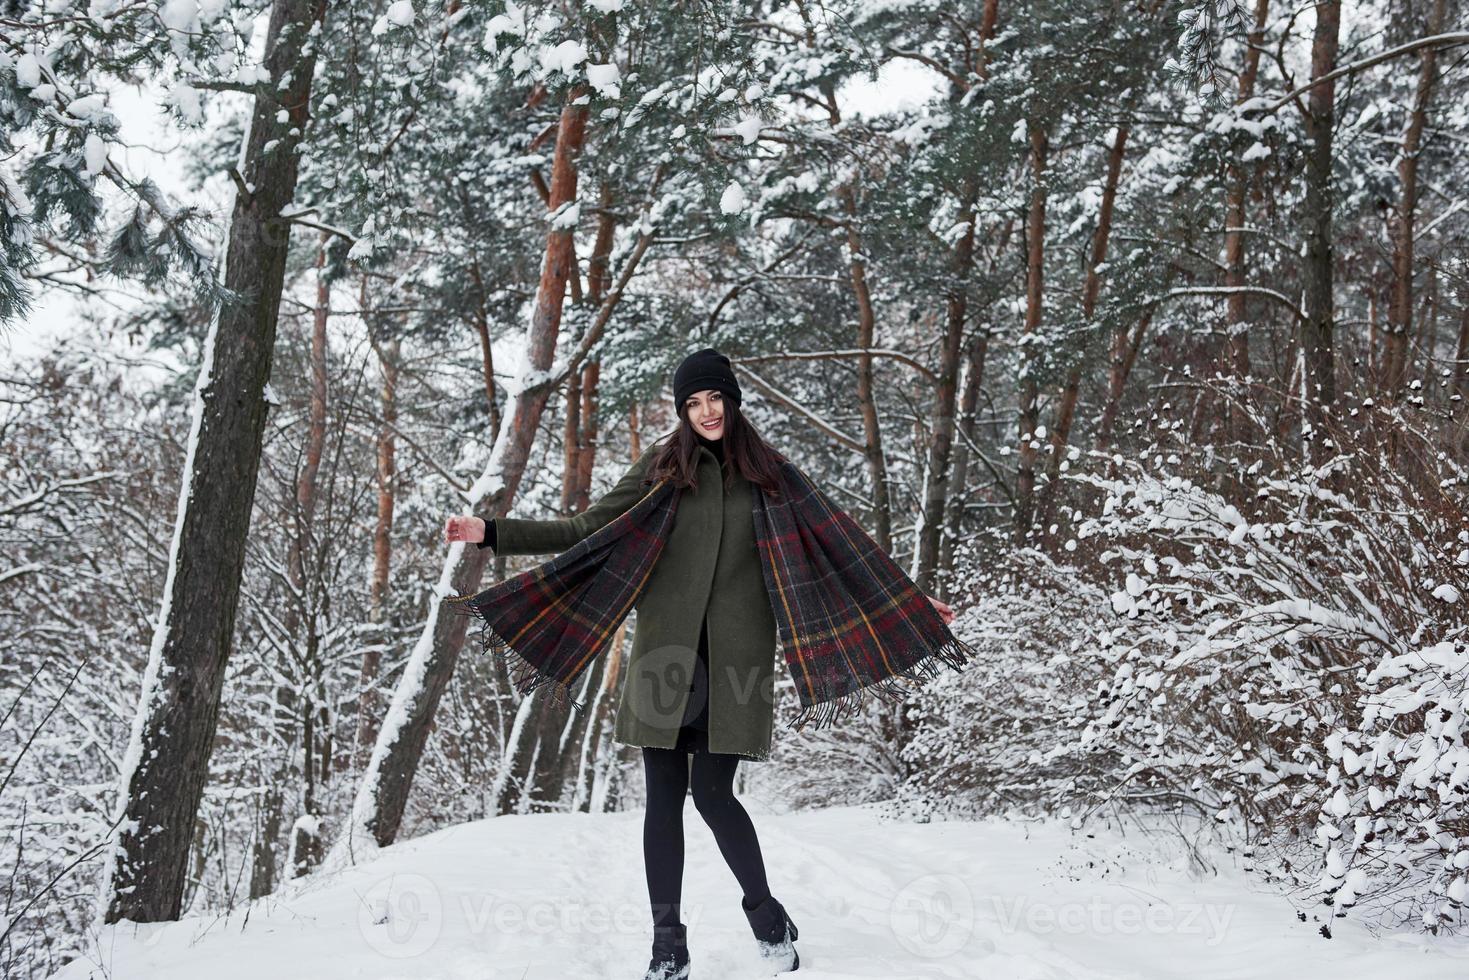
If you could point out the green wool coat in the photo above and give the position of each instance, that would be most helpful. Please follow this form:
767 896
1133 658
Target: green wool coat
709 568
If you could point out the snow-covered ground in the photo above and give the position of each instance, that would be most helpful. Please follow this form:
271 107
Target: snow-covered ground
562 897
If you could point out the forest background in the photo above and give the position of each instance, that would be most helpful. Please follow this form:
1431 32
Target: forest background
1136 331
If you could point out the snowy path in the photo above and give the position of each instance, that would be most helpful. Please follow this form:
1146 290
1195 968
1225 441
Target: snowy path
562 897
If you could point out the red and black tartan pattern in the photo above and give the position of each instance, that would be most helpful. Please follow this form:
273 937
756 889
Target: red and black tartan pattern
850 620
550 621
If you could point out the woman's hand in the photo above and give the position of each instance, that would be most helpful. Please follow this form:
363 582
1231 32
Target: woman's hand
945 612
462 527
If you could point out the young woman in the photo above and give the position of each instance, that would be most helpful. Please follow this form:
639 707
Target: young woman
700 677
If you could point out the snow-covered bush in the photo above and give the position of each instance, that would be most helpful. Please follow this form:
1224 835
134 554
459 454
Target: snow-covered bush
1287 647
998 736
1275 645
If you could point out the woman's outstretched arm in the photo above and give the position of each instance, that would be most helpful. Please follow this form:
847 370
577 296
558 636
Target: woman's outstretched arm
528 536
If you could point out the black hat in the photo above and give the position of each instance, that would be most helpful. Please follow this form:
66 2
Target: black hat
703 369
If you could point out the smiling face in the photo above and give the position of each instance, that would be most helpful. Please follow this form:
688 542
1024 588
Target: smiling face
706 413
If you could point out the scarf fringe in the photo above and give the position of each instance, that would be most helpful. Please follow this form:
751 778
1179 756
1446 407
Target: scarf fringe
525 676
953 652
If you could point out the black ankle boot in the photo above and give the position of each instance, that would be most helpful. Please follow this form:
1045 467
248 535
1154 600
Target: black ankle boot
775 934
670 954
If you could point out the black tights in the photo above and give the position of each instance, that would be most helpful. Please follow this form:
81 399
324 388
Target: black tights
712 779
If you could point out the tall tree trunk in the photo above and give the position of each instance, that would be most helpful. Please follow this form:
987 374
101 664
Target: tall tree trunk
1066 407
896 721
487 353
587 439
1294 386
1236 325
513 782
1318 329
1121 358
559 768
1035 253
1427 339
945 398
298 609
557 727
305 830
1461 356
558 738
1373 361
305 847
369 704
599 729
1400 308
1461 364
872 451
280 781
596 787
571 431
382 796
968 431
988 19
943 513
636 429
287 704
582 420
968 426
163 773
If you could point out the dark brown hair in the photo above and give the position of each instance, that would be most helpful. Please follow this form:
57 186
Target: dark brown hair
745 452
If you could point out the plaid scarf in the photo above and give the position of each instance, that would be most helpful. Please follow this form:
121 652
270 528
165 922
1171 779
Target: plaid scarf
850 620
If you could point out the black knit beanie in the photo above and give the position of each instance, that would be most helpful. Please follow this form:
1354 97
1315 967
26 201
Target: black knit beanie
704 369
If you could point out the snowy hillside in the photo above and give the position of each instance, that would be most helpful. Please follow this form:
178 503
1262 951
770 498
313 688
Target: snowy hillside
562 897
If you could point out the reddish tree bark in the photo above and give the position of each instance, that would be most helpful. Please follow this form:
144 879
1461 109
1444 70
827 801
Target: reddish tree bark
1035 245
1238 339
386 787
1121 358
872 447
872 452
1400 308
1066 408
487 355
369 705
